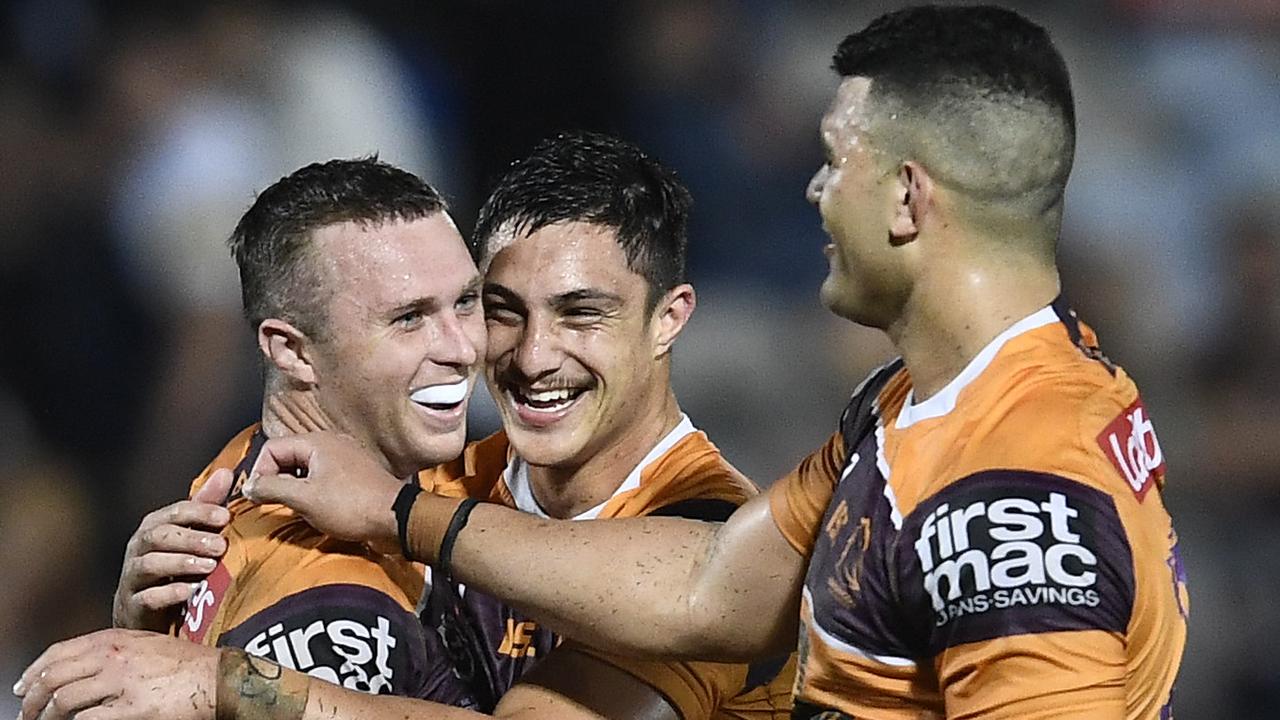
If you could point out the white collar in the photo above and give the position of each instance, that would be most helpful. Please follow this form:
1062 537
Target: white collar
944 401
516 475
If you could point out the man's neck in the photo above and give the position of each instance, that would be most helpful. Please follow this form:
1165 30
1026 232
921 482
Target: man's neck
950 318
289 412
568 491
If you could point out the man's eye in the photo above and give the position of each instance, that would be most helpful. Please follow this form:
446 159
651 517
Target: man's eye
500 314
412 317
584 317
467 302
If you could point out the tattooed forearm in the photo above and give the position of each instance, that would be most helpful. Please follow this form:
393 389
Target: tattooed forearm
251 688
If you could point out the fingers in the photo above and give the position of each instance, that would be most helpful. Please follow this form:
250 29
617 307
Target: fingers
53 676
106 711
284 455
72 696
174 539
155 567
216 488
283 489
53 655
189 513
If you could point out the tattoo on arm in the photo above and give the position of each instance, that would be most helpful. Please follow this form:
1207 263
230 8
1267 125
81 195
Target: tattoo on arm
251 688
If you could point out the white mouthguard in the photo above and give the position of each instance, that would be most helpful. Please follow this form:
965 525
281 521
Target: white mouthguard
441 394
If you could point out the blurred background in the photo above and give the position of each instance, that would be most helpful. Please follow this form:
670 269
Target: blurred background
132 136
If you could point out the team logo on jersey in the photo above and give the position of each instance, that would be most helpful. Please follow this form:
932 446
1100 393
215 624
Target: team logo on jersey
1018 551
1131 445
349 635
518 640
202 606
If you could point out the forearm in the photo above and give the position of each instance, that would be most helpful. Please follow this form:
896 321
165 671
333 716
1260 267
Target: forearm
331 702
663 587
251 688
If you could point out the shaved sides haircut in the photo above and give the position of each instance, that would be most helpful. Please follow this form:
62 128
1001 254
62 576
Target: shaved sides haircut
978 95
279 277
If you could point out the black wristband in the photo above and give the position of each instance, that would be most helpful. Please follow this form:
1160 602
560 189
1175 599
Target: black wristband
401 507
459 521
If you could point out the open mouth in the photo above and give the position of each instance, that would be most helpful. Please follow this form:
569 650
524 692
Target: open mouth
545 401
441 397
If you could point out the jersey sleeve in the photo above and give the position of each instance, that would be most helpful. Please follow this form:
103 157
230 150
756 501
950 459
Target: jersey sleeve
238 454
799 500
355 636
699 690
1026 580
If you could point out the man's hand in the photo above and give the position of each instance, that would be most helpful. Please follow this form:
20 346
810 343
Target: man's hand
121 674
168 551
332 482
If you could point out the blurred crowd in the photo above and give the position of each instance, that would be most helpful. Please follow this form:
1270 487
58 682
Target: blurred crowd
134 134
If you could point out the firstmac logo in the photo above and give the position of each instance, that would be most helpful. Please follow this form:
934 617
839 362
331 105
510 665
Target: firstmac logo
1005 552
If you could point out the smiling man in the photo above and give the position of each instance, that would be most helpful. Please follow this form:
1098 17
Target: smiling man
584 244
366 305
983 534
583 248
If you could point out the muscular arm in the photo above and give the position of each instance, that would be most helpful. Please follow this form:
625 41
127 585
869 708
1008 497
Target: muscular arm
128 675
645 586
665 587
565 686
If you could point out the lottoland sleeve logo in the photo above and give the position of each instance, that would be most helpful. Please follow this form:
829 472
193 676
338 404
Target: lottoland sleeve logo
994 547
1129 442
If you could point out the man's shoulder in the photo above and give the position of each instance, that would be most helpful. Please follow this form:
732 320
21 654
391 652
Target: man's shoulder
273 553
1081 420
237 455
690 479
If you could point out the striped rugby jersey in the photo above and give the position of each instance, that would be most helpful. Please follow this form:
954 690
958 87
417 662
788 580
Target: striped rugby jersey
684 475
332 609
998 550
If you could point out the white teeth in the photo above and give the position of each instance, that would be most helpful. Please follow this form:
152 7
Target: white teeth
549 395
441 394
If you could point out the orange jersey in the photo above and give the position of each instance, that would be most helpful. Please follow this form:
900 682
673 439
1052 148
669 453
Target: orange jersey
683 475
998 550
332 609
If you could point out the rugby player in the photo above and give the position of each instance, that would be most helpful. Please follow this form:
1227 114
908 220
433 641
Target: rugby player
584 246
366 304
983 535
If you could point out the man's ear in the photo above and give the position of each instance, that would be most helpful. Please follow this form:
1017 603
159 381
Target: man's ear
288 350
913 200
670 316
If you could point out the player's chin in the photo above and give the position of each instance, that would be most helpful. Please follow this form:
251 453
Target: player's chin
545 449
831 295
439 447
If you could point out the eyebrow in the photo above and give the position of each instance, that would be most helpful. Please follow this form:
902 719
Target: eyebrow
429 305
566 299
559 301
505 293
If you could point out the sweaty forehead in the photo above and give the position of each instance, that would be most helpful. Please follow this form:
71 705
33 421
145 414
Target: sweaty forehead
849 113
389 261
563 257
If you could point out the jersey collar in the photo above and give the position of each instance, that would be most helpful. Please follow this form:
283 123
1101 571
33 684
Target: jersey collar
516 475
944 401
